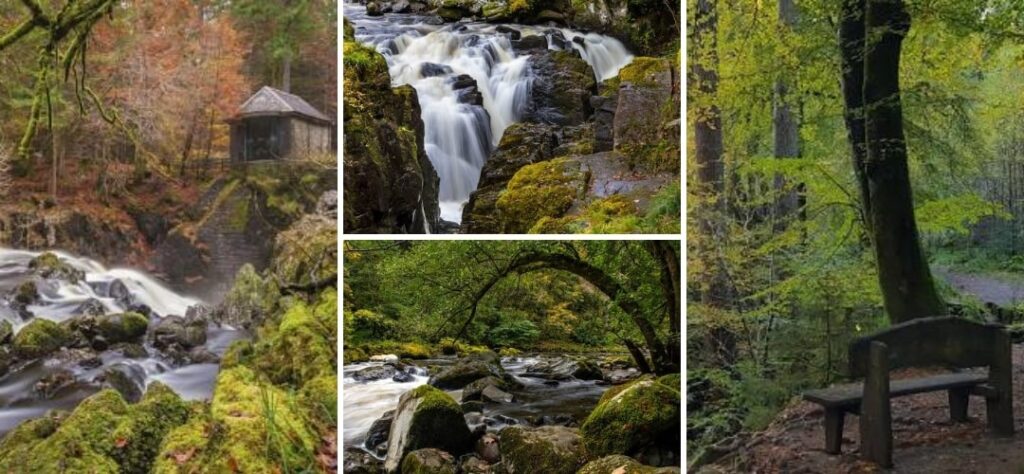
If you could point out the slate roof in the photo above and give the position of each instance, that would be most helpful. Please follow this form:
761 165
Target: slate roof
269 100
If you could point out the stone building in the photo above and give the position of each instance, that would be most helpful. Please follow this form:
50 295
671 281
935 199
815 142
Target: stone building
277 125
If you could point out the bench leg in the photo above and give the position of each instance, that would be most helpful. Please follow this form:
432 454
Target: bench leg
999 412
959 399
834 430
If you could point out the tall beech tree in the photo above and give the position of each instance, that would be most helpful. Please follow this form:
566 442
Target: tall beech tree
871 34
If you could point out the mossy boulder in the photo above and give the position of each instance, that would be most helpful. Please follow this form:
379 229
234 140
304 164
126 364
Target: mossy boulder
390 185
251 426
39 338
671 380
428 461
475 389
548 449
414 350
642 416
645 26
304 345
545 189
426 418
619 464
138 437
49 265
562 88
240 352
468 369
123 327
81 442
6 331
646 127
319 397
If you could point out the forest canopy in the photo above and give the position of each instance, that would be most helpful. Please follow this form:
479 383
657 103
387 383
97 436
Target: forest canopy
532 295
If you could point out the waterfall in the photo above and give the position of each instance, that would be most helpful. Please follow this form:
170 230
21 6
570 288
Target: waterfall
463 123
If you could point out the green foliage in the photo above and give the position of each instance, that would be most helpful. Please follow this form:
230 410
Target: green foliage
517 333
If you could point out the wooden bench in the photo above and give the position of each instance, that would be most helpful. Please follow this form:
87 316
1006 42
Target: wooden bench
949 342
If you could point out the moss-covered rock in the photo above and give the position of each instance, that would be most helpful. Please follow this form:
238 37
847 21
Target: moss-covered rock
646 26
319 397
138 437
428 461
240 352
549 449
545 189
619 464
390 185
426 418
354 355
646 126
304 346
643 415
49 265
250 300
123 327
39 338
468 369
671 380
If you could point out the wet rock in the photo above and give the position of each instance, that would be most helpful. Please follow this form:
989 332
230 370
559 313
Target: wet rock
643 417
358 461
39 338
428 461
247 304
120 293
426 418
468 369
604 121
496 395
128 379
648 98
379 431
474 389
549 449
91 362
176 331
403 377
531 43
132 350
434 69
512 33
385 358
124 327
467 89
562 89
26 294
153 227
551 368
472 406
500 420
91 307
475 465
370 374
202 355
587 370
488 449
52 383
375 8
558 39
49 265
553 420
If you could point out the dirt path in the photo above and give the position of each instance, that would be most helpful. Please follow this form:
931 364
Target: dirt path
1003 290
924 438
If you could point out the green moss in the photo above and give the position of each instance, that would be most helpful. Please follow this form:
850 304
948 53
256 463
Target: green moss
354 355
434 399
138 438
49 265
643 414
40 337
185 448
545 189
123 327
238 353
362 62
414 350
251 298
319 398
428 461
349 30
554 449
509 352
238 219
671 380
642 70
306 253
615 390
620 464
304 346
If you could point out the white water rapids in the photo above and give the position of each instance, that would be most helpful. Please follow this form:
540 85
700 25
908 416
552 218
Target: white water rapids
429 56
60 300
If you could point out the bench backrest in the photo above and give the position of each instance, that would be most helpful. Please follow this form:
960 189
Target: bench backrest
940 341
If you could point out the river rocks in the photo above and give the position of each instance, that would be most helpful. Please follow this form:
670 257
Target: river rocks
647 27
123 327
474 389
370 374
428 461
643 418
390 185
434 69
128 379
39 338
6 331
552 368
91 307
178 333
562 89
475 465
51 384
621 376
512 33
426 418
49 265
385 358
403 377
619 464
358 461
488 448
25 294
468 369
379 431
250 300
496 395
472 405
467 89
530 43
647 113
306 255
548 449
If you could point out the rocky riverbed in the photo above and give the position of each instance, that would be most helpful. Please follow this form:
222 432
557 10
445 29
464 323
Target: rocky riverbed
482 413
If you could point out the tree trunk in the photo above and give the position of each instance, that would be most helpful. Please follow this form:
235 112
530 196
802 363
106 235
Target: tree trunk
785 124
874 118
286 73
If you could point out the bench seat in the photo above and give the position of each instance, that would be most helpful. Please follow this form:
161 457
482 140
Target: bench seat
849 395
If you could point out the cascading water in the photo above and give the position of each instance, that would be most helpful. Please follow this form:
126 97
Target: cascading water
460 133
109 291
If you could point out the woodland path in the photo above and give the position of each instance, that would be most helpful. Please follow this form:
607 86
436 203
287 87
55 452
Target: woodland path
1001 289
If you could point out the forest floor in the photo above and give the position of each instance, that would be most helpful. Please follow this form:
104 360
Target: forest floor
1001 289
